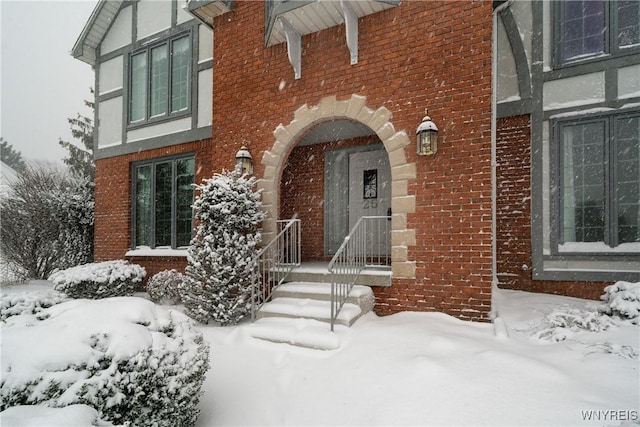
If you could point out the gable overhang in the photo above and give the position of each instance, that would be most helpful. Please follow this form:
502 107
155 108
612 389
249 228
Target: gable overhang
94 31
289 20
206 10
311 16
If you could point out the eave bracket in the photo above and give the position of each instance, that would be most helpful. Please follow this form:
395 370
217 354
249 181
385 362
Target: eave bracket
351 29
294 46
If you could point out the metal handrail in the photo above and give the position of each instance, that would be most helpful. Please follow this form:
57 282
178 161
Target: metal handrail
367 245
274 262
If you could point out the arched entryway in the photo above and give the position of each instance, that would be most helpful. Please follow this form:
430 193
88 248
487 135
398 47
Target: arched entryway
355 111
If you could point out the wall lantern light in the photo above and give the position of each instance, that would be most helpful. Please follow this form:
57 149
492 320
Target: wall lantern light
427 135
244 161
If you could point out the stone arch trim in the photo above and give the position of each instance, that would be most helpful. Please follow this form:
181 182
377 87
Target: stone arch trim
402 172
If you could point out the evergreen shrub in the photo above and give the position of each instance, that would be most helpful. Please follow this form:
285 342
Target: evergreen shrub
136 363
163 287
222 255
622 299
99 280
28 303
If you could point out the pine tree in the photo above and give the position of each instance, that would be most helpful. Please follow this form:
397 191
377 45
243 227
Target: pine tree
79 159
221 258
11 157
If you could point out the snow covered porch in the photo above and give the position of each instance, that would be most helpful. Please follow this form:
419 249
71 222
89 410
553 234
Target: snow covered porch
331 167
318 272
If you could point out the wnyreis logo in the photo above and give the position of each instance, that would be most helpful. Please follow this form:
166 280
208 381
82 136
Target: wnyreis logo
609 415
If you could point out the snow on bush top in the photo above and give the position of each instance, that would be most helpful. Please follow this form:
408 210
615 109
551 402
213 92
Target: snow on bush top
68 336
28 303
36 415
621 305
106 272
127 357
622 299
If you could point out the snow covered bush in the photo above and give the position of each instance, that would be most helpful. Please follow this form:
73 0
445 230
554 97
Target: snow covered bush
36 415
47 222
163 287
622 299
565 321
221 257
621 305
31 303
131 360
99 279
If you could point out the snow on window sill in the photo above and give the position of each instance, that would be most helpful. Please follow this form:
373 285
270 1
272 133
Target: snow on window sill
598 247
146 251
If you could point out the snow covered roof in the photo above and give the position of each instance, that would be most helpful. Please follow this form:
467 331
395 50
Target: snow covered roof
7 173
95 30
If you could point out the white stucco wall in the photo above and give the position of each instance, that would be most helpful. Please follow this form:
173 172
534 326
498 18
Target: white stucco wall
119 35
205 94
508 88
205 46
110 75
574 91
153 17
629 82
110 122
165 128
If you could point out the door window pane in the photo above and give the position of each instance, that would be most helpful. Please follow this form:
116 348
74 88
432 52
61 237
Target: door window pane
159 80
628 179
583 182
180 75
163 204
143 205
138 100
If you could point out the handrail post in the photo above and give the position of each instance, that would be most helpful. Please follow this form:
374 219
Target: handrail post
274 262
354 255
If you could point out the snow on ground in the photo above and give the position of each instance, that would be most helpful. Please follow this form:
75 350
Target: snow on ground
430 369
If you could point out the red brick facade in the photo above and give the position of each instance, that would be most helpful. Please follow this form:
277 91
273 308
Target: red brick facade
418 55
302 192
513 146
113 204
406 63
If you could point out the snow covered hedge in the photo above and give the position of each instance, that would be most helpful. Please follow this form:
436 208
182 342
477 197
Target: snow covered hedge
621 304
133 361
33 303
622 299
164 287
35 415
99 279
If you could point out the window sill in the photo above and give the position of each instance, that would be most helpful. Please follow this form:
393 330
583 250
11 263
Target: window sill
158 120
588 270
599 248
145 251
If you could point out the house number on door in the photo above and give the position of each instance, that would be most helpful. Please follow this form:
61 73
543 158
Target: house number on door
370 188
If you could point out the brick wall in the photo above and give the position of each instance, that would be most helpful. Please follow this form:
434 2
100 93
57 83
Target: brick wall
302 197
113 203
302 192
420 54
514 216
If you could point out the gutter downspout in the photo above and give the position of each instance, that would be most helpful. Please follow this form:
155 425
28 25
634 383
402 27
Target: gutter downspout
499 326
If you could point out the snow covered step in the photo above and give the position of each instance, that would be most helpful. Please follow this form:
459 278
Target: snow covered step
361 296
307 333
317 272
306 308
